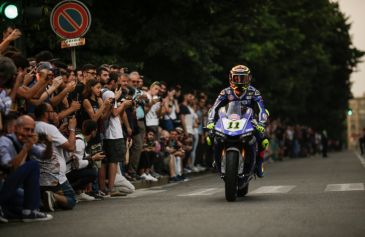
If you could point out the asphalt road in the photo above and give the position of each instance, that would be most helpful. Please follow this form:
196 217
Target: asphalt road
298 197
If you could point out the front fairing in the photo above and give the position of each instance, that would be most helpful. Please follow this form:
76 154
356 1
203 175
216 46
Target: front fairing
234 120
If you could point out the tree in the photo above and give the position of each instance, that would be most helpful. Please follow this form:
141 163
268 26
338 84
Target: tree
300 52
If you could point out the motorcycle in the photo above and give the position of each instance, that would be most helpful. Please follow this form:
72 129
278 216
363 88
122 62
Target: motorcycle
234 137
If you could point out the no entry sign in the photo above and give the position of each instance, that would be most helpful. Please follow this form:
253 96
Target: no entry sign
70 19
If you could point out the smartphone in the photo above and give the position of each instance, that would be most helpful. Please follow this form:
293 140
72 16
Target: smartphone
119 86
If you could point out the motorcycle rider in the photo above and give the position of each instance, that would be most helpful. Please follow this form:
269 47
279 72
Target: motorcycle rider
240 89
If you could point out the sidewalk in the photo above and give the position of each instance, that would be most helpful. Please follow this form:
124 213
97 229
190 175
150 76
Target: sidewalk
164 180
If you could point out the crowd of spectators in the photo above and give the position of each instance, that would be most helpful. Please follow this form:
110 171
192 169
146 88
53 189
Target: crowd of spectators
83 134
88 133
297 141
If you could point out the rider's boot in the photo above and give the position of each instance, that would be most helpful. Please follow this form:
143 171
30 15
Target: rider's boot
217 151
260 164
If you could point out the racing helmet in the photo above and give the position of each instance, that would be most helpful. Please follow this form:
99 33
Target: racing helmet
240 77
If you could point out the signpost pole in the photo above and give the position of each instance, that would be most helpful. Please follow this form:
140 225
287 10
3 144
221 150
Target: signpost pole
73 57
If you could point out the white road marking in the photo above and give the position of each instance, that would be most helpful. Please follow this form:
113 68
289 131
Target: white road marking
344 187
362 159
273 189
202 192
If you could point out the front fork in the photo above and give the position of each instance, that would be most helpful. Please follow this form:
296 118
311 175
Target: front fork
247 158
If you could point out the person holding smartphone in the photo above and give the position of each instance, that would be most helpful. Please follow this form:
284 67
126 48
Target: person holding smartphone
60 189
114 144
81 169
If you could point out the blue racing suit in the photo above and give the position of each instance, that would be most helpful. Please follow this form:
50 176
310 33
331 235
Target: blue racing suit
250 98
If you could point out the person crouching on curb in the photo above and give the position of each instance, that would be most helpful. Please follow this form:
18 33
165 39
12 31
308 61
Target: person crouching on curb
20 172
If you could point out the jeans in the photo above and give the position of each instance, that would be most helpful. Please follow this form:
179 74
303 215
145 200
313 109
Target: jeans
69 193
66 190
26 176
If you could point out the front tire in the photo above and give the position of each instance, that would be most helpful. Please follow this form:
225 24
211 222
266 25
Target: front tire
230 176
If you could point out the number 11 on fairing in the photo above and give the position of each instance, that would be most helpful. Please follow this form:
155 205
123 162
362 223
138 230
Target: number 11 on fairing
234 125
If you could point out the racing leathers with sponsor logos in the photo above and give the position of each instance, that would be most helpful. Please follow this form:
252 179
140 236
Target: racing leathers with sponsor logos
250 97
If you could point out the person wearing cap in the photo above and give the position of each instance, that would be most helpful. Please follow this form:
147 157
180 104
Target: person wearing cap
114 144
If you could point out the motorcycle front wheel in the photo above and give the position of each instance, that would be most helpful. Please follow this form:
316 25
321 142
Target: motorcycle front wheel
230 176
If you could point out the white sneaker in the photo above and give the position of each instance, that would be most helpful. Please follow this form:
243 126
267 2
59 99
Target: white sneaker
2 216
143 176
151 178
187 170
36 215
85 197
195 169
201 168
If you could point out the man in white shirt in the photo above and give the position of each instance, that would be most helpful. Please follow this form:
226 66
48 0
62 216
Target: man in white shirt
114 144
62 193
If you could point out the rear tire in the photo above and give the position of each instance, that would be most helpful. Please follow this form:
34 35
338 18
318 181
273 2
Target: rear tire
230 176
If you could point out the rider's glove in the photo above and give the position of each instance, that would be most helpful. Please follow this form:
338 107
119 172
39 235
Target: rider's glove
209 141
210 125
265 143
260 128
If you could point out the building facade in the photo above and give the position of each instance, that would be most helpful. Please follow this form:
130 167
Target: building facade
355 121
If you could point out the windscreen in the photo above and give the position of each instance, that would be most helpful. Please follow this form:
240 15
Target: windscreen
235 108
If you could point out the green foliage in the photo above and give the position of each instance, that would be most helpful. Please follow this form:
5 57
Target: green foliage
300 51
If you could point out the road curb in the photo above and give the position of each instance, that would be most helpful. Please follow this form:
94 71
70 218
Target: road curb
163 180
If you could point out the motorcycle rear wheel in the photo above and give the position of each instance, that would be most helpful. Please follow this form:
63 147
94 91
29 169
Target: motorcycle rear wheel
230 176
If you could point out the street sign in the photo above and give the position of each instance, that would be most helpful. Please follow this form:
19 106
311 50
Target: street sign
68 43
70 19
